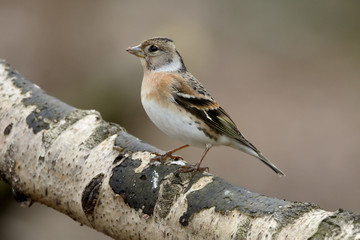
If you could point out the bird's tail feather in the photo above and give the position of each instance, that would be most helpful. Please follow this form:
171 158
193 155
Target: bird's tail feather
270 164
250 149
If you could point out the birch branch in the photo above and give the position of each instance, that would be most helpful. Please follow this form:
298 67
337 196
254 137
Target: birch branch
64 157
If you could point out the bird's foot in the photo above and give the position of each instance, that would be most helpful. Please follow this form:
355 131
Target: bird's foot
195 168
163 157
168 155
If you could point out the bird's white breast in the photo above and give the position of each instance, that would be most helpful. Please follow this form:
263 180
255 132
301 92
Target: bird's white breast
176 123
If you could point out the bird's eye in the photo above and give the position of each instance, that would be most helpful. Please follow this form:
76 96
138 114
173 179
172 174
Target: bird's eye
153 48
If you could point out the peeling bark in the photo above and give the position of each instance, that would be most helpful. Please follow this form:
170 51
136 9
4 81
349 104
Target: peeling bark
64 157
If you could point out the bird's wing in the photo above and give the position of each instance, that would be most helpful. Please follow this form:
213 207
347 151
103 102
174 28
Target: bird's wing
194 98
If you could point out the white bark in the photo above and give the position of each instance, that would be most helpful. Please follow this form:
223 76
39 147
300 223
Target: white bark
64 157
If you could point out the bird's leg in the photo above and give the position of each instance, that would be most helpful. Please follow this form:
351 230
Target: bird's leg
197 167
162 157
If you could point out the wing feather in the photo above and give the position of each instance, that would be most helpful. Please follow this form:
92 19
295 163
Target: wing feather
198 102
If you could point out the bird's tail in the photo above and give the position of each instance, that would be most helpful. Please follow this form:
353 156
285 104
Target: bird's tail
270 164
252 150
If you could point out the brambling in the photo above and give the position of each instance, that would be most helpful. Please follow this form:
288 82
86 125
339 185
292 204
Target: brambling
181 107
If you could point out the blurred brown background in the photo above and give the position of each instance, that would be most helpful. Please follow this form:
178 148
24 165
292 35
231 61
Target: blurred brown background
287 72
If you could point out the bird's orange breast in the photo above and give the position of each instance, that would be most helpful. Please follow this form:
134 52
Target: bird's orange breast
157 87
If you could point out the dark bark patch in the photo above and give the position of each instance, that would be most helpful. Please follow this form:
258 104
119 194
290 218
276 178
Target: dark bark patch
20 197
120 157
129 143
90 195
101 133
7 130
225 197
139 190
7 170
48 109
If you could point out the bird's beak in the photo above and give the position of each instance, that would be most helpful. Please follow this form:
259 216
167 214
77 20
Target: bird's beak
137 51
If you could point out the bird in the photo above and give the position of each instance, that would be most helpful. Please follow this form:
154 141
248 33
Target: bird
179 105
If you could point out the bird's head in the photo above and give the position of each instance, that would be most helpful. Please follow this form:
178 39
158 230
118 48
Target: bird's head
158 54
